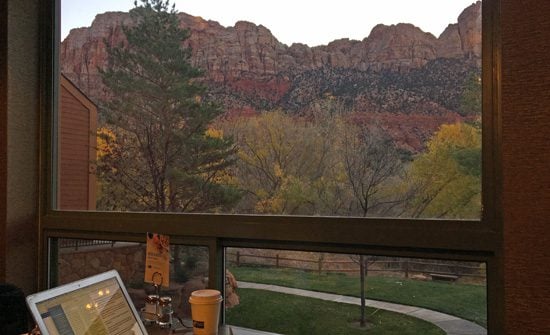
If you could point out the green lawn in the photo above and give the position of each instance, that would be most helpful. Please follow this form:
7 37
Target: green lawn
463 300
289 315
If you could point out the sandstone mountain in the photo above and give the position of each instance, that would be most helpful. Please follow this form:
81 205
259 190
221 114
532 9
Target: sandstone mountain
407 80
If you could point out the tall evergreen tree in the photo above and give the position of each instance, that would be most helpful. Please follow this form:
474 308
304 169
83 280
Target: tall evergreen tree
163 156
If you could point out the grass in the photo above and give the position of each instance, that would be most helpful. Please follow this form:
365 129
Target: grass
289 314
462 300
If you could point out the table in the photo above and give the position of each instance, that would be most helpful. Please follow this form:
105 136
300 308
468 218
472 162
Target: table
224 330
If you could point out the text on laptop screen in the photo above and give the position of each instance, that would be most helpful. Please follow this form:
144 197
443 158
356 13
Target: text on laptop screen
99 309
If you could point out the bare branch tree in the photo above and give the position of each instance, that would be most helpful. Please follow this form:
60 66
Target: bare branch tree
370 160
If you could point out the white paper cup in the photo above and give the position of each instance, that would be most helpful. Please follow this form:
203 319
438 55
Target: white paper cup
205 311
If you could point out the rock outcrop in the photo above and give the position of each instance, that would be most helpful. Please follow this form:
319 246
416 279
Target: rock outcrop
251 52
469 29
462 39
399 47
397 69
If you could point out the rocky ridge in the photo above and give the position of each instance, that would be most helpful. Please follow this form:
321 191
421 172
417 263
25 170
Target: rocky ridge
395 70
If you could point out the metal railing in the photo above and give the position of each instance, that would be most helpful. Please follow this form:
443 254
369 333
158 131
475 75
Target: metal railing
77 243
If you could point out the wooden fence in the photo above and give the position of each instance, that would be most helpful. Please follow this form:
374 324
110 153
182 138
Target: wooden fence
404 266
76 243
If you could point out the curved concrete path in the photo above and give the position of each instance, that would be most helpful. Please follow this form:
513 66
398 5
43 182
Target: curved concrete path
449 323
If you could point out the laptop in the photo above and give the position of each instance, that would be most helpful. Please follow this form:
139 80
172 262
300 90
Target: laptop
97 305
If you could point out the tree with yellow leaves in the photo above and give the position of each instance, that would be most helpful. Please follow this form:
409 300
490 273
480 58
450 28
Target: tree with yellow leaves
446 178
287 165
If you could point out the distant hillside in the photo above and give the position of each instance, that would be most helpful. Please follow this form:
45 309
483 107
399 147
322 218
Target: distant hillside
407 80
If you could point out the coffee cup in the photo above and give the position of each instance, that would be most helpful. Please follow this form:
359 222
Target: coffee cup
205 311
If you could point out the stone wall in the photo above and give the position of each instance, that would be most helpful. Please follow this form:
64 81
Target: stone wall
127 258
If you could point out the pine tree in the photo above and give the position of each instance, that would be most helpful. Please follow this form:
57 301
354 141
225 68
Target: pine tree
164 158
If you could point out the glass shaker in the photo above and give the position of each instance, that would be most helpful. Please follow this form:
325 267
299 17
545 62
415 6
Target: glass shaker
149 312
165 312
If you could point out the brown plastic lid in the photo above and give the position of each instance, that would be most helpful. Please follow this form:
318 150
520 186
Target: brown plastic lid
205 297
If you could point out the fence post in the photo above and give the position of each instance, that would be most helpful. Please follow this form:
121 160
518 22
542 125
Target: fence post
320 264
407 268
238 259
277 260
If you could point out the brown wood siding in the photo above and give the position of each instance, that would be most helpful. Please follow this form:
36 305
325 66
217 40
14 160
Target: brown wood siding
3 135
77 128
526 164
23 101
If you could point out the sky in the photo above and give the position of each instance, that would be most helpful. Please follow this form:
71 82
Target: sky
312 22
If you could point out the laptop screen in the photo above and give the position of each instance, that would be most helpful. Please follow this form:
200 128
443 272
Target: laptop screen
101 308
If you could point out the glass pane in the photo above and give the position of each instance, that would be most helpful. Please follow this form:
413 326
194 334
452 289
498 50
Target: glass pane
260 108
298 292
78 259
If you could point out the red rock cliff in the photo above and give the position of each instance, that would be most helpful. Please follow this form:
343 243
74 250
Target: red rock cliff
248 51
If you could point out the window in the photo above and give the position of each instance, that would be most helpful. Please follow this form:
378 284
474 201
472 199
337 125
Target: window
78 258
292 214
321 290
387 125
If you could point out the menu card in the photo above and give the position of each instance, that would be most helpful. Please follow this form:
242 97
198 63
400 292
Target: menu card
157 260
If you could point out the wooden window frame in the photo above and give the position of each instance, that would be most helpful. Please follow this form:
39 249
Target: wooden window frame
468 240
